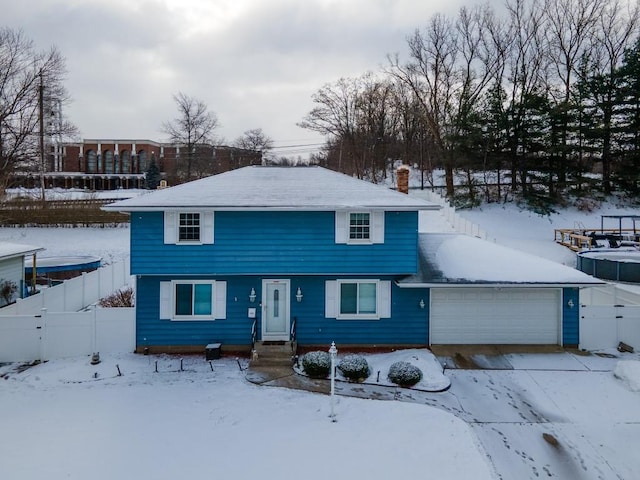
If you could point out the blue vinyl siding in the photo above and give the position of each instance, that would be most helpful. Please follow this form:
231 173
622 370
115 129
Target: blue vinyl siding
407 325
274 243
235 329
570 317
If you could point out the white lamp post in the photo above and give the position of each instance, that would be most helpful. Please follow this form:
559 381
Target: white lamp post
333 351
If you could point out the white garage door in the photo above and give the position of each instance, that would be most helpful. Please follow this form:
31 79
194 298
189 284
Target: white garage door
495 316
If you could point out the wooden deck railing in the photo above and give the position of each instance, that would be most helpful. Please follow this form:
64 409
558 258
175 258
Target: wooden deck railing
582 239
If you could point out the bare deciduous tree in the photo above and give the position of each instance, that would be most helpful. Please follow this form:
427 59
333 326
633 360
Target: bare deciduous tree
451 63
31 88
193 127
570 37
255 139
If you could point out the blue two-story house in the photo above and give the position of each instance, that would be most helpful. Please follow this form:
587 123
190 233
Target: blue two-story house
311 250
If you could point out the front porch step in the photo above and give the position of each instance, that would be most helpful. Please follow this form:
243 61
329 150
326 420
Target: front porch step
273 354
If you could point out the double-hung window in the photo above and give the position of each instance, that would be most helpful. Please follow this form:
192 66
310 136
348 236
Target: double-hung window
189 227
359 226
193 299
358 299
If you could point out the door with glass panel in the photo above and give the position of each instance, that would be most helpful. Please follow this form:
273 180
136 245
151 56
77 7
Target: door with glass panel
275 310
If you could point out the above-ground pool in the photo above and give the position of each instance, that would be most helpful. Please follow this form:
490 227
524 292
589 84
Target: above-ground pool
619 264
61 268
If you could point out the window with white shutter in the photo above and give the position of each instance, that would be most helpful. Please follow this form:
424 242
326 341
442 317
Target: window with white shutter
359 227
357 299
193 300
188 228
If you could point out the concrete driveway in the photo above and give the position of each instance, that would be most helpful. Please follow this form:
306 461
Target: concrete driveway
545 414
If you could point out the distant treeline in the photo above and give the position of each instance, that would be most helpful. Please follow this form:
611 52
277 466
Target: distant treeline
546 90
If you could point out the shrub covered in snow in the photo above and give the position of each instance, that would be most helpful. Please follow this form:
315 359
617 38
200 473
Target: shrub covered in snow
404 373
354 367
317 364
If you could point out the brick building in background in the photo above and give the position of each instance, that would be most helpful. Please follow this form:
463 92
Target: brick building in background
98 164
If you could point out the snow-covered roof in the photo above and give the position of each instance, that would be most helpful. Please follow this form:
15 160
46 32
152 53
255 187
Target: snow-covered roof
275 188
461 259
11 250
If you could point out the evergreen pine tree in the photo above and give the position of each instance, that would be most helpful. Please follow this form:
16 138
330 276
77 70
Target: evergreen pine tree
152 175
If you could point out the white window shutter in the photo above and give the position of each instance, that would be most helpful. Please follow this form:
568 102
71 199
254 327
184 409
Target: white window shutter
221 300
341 227
331 299
384 299
207 227
377 218
165 300
170 228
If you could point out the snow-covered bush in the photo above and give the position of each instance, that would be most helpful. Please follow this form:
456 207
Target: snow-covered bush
354 367
317 364
404 374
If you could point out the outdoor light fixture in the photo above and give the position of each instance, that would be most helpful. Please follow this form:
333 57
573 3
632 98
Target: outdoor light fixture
252 295
299 295
421 303
570 303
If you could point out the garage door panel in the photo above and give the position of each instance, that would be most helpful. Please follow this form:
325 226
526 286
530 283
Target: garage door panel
493 316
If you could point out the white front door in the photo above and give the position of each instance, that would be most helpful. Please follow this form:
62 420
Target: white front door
275 310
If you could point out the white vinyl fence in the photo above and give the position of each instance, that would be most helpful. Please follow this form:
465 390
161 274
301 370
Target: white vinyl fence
56 323
24 338
460 225
74 294
609 315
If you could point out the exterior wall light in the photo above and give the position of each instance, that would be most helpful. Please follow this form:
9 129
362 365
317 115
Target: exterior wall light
421 303
570 303
299 295
252 295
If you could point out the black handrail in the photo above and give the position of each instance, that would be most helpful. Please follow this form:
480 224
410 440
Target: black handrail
292 332
294 343
254 334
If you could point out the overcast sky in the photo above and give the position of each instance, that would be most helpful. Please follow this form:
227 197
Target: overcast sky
255 63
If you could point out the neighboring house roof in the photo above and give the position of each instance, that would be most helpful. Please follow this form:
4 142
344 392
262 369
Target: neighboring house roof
453 259
12 250
275 188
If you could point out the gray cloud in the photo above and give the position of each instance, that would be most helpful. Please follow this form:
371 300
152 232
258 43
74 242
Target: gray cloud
255 63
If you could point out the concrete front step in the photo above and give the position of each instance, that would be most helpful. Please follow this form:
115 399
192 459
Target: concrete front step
272 354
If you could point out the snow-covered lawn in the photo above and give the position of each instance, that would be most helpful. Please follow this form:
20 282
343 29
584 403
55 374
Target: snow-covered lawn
59 421
70 419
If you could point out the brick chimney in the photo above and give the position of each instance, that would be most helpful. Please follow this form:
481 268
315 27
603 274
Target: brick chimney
403 178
